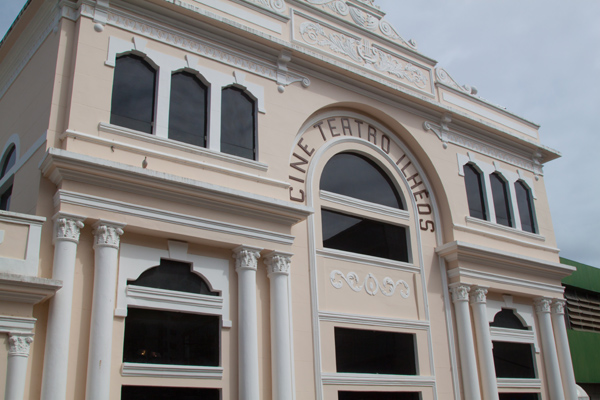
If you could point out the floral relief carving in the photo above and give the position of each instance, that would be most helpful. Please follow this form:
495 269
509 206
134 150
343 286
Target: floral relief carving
278 264
19 345
478 295
107 235
558 306
460 293
371 285
68 228
362 52
364 19
246 258
543 305
275 5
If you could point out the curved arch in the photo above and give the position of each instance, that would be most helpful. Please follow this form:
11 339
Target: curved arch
188 108
238 122
508 318
13 140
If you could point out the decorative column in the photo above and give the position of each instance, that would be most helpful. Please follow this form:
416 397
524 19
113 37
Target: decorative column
466 345
67 228
106 248
245 265
484 343
278 267
542 308
562 346
16 368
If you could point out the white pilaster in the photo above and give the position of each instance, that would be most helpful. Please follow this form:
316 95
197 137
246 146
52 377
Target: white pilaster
56 357
278 267
562 346
106 248
246 264
484 343
466 344
542 308
16 368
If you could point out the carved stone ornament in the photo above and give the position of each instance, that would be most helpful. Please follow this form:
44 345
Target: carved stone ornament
67 229
558 306
107 235
444 77
543 305
362 52
460 293
478 295
246 258
363 19
274 5
19 345
278 264
371 285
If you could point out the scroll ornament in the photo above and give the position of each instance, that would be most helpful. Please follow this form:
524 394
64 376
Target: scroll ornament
362 52
371 285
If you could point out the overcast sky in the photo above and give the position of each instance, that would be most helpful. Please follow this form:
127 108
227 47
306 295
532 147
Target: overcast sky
538 58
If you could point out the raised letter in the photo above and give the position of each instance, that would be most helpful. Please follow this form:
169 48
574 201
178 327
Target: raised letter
332 128
385 144
414 179
428 209
358 123
372 134
346 126
302 162
305 148
298 199
321 130
427 223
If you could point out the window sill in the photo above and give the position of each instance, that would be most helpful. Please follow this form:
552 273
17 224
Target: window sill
482 222
519 383
377 379
171 371
364 205
173 144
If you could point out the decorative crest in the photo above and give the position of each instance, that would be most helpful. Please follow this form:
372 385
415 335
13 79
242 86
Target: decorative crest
371 285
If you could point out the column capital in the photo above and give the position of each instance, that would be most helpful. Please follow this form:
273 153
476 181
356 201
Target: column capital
107 234
558 306
478 294
460 291
67 227
278 262
542 305
246 257
19 344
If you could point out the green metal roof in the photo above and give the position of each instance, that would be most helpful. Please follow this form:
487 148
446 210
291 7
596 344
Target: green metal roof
586 277
585 352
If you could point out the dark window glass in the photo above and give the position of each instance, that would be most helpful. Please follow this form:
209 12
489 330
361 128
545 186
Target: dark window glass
9 160
375 352
501 202
379 395
519 396
162 337
364 236
507 319
187 112
238 123
168 393
5 199
173 275
475 197
525 207
513 360
357 176
133 94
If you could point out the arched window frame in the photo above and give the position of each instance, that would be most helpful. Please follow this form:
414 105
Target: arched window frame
134 261
12 146
482 189
215 79
507 197
529 199
207 106
244 91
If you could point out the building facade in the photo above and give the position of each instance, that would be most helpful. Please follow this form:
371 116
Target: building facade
265 199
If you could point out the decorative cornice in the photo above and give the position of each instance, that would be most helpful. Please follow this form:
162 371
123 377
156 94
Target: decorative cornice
467 273
107 234
67 227
363 53
278 263
19 344
371 285
478 295
558 306
443 77
542 305
460 292
364 18
277 6
246 257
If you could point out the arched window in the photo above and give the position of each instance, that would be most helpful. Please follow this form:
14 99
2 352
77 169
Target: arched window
238 123
9 160
188 109
475 192
525 205
358 177
501 200
156 336
350 175
134 87
512 360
